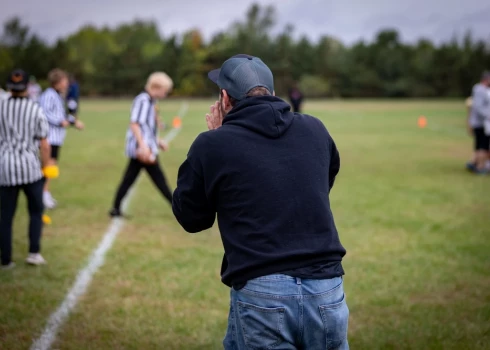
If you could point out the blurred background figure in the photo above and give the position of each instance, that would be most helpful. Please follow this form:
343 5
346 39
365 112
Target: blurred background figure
296 98
53 104
72 97
34 90
468 103
480 112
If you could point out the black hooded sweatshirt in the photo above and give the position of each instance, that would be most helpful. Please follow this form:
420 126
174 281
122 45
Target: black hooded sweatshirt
267 174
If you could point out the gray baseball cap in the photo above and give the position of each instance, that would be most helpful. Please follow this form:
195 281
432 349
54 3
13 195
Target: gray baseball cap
240 74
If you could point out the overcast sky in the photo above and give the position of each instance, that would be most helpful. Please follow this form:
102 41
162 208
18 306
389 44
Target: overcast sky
348 20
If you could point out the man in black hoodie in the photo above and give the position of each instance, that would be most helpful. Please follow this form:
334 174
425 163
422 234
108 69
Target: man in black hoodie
267 173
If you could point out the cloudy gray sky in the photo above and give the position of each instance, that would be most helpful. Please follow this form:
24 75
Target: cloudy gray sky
348 20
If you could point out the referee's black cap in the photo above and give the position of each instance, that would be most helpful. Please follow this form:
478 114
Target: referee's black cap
17 81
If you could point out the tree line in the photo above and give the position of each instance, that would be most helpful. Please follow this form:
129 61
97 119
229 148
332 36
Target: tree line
116 61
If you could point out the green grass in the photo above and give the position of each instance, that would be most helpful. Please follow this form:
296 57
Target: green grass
414 223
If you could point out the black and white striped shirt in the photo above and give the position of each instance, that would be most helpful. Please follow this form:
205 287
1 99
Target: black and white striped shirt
22 125
53 106
143 113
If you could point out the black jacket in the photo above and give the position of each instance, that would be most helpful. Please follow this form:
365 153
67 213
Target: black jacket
267 173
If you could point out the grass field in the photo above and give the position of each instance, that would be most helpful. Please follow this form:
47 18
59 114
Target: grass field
415 225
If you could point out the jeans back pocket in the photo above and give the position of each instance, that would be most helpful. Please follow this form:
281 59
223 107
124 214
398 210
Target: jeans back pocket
335 319
261 326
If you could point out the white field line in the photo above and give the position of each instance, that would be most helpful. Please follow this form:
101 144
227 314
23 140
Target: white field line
96 260
448 130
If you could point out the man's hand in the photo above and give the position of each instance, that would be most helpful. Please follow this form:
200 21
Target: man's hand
65 123
163 145
470 130
214 119
79 124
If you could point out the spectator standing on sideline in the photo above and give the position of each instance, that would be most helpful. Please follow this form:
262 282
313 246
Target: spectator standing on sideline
34 89
20 168
480 111
72 98
296 98
142 141
53 104
468 103
267 174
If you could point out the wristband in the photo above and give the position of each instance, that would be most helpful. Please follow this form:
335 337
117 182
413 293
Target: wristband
51 171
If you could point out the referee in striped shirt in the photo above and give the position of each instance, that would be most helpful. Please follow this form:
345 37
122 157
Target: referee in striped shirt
52 102
23 127
142 141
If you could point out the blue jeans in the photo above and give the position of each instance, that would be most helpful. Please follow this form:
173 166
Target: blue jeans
283 312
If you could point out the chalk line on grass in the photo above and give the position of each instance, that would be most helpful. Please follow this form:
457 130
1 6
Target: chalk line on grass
96 260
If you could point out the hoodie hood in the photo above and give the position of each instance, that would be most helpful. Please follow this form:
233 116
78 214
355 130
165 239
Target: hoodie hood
267 115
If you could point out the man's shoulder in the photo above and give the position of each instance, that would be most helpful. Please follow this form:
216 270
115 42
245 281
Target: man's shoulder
309 120
206 138
209 142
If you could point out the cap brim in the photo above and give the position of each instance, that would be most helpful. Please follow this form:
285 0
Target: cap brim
214 75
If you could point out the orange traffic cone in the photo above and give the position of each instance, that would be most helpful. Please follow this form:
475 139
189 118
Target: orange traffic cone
422 122
177 123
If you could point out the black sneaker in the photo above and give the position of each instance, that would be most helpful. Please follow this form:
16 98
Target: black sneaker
8 266
116 213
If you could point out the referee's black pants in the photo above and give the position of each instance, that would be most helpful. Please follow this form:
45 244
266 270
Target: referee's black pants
132 172
8 205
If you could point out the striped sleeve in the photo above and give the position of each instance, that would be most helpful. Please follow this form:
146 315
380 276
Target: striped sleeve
140 109
49 103
42 126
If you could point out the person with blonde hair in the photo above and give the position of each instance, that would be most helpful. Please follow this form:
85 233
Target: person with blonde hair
142 142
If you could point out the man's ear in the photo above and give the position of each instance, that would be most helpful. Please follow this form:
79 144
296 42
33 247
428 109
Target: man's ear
225 99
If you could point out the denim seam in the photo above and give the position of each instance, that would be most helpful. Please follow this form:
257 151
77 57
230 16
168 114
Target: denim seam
233 325
295 296
321 295
301 319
